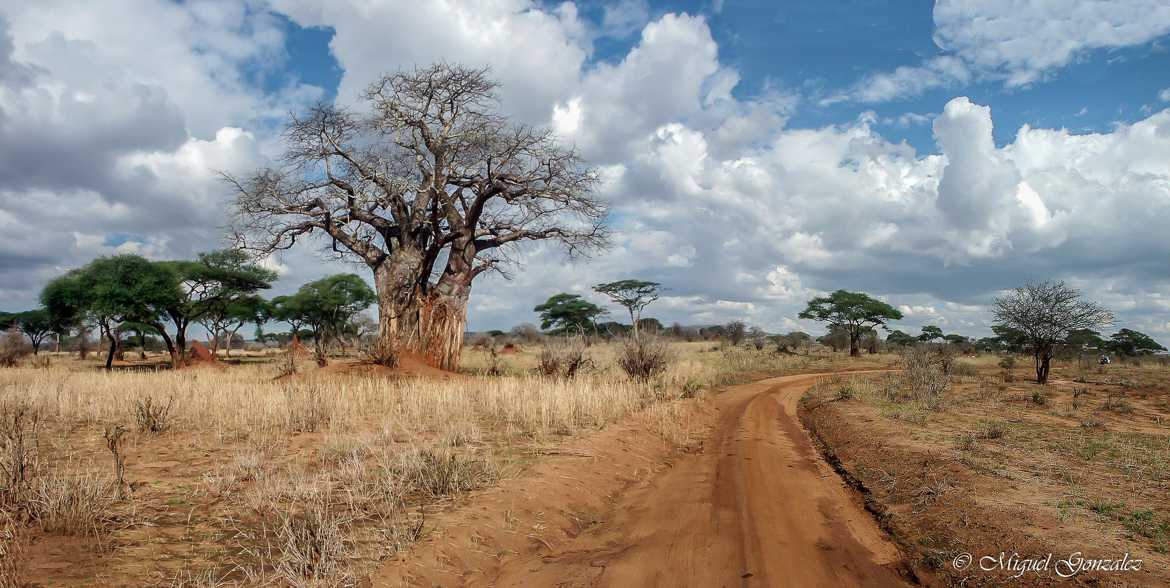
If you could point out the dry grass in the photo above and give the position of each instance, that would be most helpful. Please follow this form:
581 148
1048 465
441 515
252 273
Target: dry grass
256 474
1077 465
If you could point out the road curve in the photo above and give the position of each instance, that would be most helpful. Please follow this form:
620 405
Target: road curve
758 507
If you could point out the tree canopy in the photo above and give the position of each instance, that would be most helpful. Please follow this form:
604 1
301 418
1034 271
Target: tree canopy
568 313
1132 343
634 295
854 311
930 333
1043 315
36 325
428 185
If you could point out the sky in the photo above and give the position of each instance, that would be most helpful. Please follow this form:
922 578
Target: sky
754 154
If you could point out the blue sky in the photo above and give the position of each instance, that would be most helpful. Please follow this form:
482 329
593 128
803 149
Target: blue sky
755 153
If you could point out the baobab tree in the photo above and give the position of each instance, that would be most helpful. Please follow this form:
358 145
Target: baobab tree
429 187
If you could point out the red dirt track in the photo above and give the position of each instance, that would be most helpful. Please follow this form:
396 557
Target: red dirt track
757 507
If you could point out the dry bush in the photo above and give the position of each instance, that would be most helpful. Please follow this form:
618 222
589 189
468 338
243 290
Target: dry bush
310 408
151 415
435 472
293 546
924 376
13 347
563 357
70 500
12 552
19 447
644 358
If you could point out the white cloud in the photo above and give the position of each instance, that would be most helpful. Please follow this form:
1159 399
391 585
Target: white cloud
1164 95
1018 42
740 216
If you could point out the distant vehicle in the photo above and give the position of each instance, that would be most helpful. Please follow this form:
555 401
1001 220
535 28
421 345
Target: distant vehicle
1104 360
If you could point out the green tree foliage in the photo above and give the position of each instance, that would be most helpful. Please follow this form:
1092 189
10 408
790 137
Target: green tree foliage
328 305
111 291
635 295
1131 343
853 311
36 325
567 314
211 286
930 333
900 338
1084 339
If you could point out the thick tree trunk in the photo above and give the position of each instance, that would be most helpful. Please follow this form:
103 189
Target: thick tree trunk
430 323
854 345
113 349
1043 366
442 322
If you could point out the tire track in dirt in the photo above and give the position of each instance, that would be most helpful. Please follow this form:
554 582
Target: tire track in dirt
758 507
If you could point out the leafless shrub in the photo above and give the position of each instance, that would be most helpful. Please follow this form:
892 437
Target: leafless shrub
435 472
309 408
19 447
400 530
1117 403
495 369
924 376
12 552
993 430
967 441
71 503
563 358
297 546
644 358
113 436
13 347
152 416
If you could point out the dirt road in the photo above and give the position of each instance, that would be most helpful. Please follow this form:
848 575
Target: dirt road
757 507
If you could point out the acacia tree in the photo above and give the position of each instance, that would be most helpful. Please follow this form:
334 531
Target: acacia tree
428 187
635 295
110 291
854 312
36 325
930 333
568 313
329 304
1043 315
1132 343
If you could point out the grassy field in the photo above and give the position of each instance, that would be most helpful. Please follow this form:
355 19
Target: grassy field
250 474
993 463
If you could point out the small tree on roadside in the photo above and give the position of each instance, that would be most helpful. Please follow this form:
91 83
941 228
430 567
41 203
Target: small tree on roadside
853 311
635 295
1044 314
568 313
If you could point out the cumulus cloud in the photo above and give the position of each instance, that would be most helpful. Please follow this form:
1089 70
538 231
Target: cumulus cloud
715 196
1013 41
